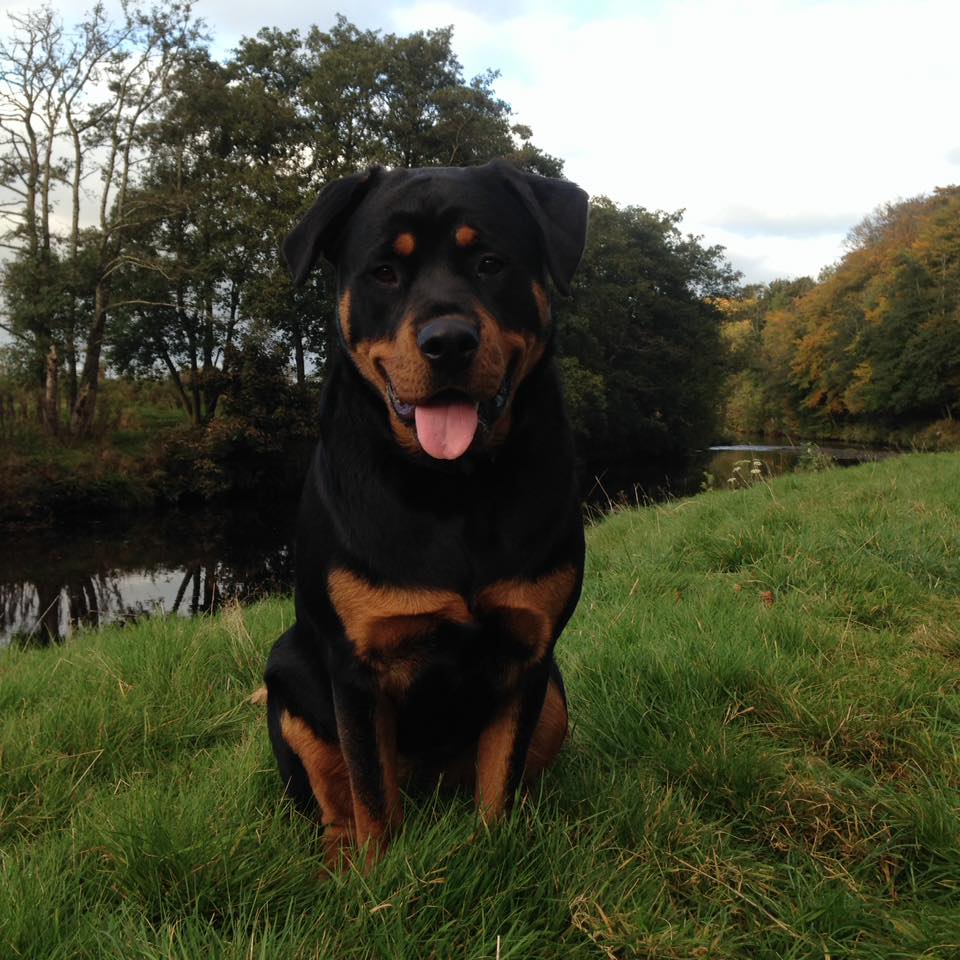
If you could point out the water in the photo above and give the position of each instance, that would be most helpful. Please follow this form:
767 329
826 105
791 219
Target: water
776 459
182 562
53 582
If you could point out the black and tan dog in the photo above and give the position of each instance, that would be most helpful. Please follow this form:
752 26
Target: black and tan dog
440 544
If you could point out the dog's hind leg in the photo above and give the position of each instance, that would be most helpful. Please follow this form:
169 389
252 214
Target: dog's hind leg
321 765
311 764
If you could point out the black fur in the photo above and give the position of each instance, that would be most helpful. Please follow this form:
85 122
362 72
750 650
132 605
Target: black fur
397 518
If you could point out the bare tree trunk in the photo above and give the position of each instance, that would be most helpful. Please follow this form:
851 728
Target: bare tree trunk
299 354
52 401
81 419
210 388
177 380
71 372
195 386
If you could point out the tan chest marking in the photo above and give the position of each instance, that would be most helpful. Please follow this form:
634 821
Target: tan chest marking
377 619
530 609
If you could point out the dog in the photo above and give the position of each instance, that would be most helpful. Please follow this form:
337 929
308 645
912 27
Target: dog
440 548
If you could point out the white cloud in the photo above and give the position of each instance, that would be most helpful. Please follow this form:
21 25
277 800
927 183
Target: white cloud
776 124
801 112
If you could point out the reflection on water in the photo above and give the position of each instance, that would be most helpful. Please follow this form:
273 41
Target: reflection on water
53 581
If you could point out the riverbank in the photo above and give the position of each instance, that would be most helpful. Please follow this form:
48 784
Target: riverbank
765 689
938 436
44 481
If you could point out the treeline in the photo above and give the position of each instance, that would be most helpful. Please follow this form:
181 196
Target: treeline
871 349
148 186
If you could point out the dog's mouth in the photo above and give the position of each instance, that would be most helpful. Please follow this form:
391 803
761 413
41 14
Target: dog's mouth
447 422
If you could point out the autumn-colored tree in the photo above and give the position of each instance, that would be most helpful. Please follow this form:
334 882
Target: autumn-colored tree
875 342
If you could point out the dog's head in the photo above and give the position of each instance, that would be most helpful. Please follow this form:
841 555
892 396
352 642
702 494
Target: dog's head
442 296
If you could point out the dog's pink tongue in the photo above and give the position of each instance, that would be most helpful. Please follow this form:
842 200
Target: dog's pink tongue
446 431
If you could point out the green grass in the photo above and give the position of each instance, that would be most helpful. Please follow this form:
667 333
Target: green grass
765 689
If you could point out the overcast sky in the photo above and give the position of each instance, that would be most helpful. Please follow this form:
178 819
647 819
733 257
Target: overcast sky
776 124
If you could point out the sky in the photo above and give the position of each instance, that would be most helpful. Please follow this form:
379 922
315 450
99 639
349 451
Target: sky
776 125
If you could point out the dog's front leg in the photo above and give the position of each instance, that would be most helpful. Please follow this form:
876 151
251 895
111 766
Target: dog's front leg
366 726
502 747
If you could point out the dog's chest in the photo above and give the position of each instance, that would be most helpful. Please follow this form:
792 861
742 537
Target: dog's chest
400 631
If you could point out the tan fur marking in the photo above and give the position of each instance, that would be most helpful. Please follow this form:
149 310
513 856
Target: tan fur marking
543 305
465 236
414 380
343 315
401 360
549 735
494 749
377 619
405 244
329 780
372 830
530 608
497 348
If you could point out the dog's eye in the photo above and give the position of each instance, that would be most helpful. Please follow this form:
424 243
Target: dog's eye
385 274
489 265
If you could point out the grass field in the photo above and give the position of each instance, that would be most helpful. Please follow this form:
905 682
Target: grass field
765 689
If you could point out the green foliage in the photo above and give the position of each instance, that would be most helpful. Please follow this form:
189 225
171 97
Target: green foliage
813 460
201 168
763 764
240 150
639 342
260 443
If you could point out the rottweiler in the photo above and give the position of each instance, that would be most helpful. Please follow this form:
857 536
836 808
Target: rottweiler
439 549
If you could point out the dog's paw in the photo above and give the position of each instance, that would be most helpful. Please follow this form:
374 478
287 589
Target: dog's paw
259 697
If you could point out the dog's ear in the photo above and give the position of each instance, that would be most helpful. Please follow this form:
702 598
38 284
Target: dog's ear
559 208
319 232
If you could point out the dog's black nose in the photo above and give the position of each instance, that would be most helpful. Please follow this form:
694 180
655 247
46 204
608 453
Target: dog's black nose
449 343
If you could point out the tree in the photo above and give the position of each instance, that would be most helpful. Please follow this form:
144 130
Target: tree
51 80
758 393
137 74
639 342
239 151
36 82
877 340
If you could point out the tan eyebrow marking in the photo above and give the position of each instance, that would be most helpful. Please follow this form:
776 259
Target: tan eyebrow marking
465 236
405 244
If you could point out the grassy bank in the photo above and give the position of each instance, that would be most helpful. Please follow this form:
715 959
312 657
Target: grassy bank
765 687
